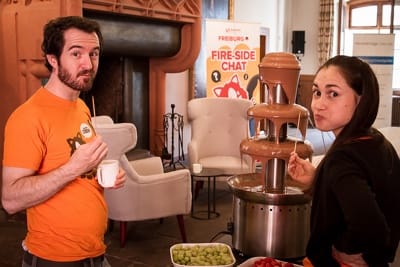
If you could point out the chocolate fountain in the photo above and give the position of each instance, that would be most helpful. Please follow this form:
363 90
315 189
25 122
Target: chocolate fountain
271 214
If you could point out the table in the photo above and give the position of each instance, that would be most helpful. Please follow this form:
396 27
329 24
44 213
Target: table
209 173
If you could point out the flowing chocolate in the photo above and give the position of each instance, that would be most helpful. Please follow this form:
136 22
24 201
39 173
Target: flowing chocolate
279 76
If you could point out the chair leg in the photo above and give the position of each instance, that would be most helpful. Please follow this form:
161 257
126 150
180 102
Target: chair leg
110 225
122 234
198 186
182 227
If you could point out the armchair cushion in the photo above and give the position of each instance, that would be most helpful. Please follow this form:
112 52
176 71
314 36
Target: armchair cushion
392 133
148 166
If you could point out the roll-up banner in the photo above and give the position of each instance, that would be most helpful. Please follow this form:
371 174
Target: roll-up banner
378 51
232 54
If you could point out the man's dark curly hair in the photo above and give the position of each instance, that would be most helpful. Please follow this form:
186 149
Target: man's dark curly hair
53 34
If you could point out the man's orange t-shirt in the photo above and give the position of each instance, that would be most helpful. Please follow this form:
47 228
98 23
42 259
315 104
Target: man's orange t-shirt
41 135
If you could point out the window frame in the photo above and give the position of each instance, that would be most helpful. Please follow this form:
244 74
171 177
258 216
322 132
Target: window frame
352 4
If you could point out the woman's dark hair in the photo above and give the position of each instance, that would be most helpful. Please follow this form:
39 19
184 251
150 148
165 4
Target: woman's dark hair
361 78
53 34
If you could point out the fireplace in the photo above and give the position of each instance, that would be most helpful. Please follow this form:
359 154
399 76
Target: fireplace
121 87
121 92
143 40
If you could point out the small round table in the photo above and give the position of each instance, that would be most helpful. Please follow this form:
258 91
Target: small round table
209 173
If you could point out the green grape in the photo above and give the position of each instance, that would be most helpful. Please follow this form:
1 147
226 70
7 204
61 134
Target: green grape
207 255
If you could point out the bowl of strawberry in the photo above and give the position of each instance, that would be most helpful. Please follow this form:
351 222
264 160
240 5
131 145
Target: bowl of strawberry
266 262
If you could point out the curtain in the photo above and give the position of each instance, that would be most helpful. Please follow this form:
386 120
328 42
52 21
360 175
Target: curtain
325 36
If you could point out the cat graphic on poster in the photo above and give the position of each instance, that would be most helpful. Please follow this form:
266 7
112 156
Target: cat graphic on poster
233 88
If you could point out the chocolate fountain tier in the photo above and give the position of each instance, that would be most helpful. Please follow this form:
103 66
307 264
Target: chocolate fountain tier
249 187
281 114
283 69
280 60
262 149
278 111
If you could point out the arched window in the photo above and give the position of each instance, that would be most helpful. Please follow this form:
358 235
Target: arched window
372 14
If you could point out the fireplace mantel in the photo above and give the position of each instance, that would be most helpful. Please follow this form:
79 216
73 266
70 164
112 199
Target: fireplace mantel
21 62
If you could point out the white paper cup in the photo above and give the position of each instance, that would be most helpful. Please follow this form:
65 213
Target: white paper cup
107 172
196 167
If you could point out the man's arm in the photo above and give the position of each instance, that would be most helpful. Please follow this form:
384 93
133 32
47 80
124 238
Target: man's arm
23 188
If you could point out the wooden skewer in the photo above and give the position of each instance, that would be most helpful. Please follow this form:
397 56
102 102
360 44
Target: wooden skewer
298 123
94 110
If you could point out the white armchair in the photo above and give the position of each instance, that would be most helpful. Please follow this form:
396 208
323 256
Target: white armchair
218 125
392 133
149 193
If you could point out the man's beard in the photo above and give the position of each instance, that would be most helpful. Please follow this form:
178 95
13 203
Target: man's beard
66 78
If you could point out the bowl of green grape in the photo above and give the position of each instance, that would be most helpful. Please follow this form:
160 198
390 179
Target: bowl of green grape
202 254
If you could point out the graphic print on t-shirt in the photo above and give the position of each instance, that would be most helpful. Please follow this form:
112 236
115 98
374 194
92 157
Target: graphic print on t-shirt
86 131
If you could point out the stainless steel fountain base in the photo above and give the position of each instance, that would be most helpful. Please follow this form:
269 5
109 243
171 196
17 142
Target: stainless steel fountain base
268 224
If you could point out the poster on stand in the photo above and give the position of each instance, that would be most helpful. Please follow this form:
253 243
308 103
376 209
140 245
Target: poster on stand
232 58
378 51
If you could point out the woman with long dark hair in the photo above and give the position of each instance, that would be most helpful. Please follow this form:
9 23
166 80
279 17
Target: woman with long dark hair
355 218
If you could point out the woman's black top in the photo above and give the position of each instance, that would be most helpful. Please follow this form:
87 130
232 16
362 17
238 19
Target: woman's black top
356 203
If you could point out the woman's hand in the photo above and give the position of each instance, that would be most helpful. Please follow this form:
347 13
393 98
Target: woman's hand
301 170
348 260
